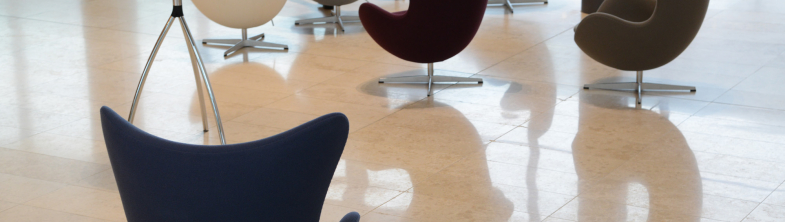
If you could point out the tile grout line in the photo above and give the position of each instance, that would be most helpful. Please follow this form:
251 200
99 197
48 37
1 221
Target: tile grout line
761 202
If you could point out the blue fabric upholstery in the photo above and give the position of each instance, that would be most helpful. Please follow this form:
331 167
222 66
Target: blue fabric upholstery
351 217
281 178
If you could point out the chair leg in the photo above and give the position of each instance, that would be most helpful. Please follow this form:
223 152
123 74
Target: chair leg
337 18
196 62
146 70
221 41
244 42
508 5
340 24
234 48
257 37
330 19
430 79
638 86
195 58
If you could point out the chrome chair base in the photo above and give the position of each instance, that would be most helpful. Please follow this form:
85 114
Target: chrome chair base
254 41
430 79
336 18
638 86
508 5
200 73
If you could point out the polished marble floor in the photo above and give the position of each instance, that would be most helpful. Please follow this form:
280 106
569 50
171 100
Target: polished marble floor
528 145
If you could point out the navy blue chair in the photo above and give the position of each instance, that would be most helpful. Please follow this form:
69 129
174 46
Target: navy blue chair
281 178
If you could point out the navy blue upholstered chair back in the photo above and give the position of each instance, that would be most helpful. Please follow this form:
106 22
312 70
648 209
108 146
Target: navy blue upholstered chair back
281 178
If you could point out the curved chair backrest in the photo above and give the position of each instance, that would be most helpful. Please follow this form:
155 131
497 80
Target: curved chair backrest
240 13
281 178
430 31
640 34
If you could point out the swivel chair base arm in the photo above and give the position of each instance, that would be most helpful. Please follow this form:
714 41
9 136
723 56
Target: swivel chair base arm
508 5
638 86
200 72
430 79
244 42
336 18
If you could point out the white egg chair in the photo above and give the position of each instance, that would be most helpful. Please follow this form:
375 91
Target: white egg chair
241 14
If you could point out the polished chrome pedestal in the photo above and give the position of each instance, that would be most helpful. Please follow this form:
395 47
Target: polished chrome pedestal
196 62
336 18
430 79
638 86
244 42
508 5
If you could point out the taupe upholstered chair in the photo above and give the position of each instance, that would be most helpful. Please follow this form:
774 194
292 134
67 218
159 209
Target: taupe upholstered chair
637 35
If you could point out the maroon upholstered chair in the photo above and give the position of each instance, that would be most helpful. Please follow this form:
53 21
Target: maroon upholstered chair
430 31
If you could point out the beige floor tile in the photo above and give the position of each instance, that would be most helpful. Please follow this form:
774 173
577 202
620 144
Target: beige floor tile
740 167
407 158
104 180
27 213
4 205
515 175
757 150
766 212
364 198
334 213
16 189
373 216
726 209
64 146
426 208
275 118
777 197
359 115
735 129
32 120
45 167
11 134
83 201
737 188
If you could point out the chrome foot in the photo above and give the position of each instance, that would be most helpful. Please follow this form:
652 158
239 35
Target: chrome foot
254 41
632 86
430 79
337 18
639 86
425 79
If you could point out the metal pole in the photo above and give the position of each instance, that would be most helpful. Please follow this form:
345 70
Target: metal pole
430 79
190 40
198 78
639 84
147 69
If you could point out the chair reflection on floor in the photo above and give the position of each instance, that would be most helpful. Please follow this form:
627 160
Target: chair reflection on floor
462 139
656 162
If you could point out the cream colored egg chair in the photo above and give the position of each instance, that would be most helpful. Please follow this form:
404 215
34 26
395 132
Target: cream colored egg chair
241 14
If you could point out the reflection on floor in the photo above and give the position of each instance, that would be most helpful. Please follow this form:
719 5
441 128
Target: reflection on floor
527 145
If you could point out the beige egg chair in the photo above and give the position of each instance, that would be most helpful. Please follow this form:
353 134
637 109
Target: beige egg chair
241 14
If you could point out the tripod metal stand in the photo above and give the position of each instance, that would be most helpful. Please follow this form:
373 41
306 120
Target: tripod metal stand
196 62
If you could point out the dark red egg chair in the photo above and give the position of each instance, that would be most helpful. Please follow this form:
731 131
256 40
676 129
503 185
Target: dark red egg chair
430 31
